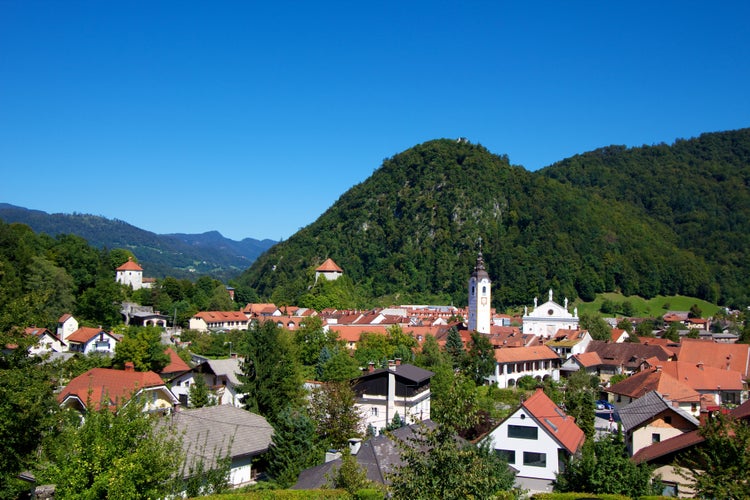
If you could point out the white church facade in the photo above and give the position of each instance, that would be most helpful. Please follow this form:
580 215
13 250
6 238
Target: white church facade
547 318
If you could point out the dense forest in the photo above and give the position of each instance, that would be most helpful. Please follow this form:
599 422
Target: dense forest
42 277
178 255
646 221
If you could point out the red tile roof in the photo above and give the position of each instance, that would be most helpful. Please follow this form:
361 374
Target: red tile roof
86 333
519 354
734 357
667 385
176 364
588 359
130 266
100 385
560 425
329 266
703 377
214 316
65 317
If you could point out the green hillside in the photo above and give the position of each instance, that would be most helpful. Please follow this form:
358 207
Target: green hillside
699 188
410 232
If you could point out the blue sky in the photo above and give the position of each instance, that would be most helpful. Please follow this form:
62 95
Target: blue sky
253 118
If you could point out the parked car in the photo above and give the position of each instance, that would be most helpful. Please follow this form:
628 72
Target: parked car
603 405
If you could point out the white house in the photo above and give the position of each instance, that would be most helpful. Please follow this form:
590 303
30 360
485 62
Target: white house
512 363
88 340
108 387
219 431
221 376
219 320
66 325
401 388
46 341
568 343
535 439
546 319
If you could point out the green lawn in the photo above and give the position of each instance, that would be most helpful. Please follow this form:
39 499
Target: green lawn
648 308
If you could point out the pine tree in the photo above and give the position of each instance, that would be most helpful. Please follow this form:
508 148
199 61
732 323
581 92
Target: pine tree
294 447
199 393
455 347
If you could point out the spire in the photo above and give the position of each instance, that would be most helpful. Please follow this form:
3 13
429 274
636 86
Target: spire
479 269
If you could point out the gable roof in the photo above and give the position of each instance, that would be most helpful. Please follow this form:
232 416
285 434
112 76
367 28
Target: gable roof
329 266
519 354
557 423
130 266
663 450
214 316
588 359
408 372
703 377
213 431
107 385
720 355
628 354
638 384
65 317
379 455
176 364
85 333
649 406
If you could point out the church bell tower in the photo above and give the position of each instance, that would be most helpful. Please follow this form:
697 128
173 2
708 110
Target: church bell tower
480 298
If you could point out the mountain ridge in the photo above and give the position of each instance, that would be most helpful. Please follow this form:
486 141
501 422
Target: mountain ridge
177 254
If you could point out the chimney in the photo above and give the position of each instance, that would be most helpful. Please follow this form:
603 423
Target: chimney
391 365
700 365
658 368
129 366
354 445
370 367
398 361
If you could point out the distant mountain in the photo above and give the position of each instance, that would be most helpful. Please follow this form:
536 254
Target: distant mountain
647 221
178 255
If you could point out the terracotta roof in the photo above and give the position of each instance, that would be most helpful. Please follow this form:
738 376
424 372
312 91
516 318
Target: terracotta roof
65 317
176 364
703 377
627 354
518 354
639 384
130 266
734 357
105 384
588 359
352 333
86 333
616 334
213 316
560 425
329 266
668 446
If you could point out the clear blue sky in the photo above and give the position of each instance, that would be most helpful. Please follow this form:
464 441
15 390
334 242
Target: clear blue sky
252 118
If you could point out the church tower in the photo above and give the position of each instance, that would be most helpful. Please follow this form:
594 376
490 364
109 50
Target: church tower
480 295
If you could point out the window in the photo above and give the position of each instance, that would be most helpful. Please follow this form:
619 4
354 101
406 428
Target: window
522 432
507 455
374 411
655 437
534 459
511 367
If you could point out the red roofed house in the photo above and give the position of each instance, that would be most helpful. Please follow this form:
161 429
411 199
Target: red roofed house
512 363
87 340
66 325
734 357
636 386
218 320
589 361
329 270
535 440
107 387
46 341
131 274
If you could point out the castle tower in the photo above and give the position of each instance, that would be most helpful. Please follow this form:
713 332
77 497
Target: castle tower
480 298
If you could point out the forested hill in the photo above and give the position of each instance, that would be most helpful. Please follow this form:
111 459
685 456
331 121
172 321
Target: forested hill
177 255
699 188
410 232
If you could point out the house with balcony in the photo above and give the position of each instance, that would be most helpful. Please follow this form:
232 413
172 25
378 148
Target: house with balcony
512 363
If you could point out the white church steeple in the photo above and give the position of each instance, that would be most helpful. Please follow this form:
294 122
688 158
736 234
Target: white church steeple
480 297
